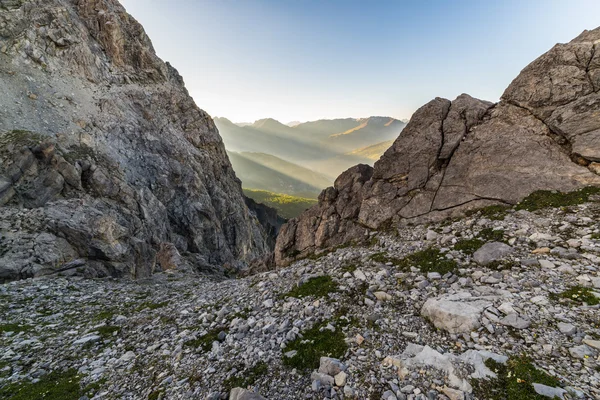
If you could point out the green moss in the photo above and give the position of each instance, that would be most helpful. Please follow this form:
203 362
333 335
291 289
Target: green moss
314 344
319 286
514 381
107 331
16 328
491 235
495 213
82 152
246 377
428 260
595 236
349 268
21 138
56 386
94 387
151 305
104 315
155 394
204 342
469 246
578 294
545 198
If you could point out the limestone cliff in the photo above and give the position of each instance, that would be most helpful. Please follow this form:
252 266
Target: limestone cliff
104 157
467 153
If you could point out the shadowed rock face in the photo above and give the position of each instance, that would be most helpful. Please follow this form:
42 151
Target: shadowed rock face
467 153
104 157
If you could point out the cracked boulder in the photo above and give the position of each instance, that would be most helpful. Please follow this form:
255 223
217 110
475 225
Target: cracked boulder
454 156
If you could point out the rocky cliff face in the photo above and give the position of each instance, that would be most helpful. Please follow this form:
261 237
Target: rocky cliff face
457 155
104 157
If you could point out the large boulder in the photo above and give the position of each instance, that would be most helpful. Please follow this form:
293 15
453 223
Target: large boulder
104 157
458 155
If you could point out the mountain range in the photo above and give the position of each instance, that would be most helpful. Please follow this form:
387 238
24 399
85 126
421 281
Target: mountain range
327 147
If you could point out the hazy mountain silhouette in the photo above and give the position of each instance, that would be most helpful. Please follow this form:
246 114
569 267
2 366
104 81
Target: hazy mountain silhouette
267 172
326 146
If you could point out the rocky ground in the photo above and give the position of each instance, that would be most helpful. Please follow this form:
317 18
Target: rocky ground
504 295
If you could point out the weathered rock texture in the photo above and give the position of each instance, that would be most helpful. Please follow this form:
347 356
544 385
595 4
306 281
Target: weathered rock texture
104 157
467 153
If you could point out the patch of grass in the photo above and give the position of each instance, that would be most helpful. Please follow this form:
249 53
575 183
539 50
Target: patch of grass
495 212
319 286
107 331
595 236
349 268
16 328
578 294
243 314
287 206
545 198
155 394
469 246
383 258
104 315
205 342
429 260
491 235
94 387
314 344
247 377
502 264
514 381
55 385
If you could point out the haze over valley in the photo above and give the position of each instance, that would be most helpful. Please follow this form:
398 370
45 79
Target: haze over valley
304 158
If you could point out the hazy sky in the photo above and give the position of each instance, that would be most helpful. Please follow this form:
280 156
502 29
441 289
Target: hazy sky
305 60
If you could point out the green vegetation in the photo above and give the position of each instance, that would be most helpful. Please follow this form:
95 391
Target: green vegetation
82 152
107 331
16 328
151 305
315 343
428 260
545 198
469 246
20 138
205 342
56 386
495 212
491 235
514 381
155 394
319 286
247 377
287 206
578 294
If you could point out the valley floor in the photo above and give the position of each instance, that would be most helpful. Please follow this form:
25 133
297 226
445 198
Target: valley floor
182 337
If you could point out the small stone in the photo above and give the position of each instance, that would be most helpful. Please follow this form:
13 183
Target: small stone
340 379
130 355
567 329
431 235
331 366
541 250
515 321
359 339
268 303
492 251
581 352
549 391
547 264
358 274
592 343
382 296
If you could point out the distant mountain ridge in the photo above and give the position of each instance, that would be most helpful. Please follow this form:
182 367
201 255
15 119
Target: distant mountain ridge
260 171
327 146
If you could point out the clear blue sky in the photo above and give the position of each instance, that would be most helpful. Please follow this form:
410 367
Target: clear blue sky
305 60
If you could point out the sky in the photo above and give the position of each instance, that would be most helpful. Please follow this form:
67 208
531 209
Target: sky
300 60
